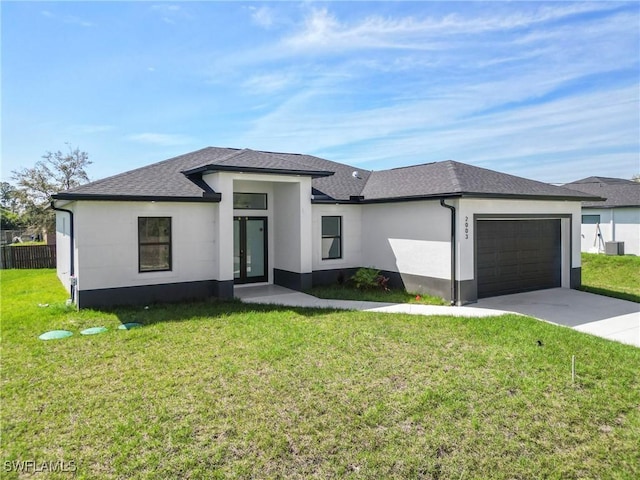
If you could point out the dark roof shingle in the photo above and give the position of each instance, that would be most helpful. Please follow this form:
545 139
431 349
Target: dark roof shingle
450 177
617 191
169 178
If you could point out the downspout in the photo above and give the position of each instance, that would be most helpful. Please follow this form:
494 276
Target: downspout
454 290
71 248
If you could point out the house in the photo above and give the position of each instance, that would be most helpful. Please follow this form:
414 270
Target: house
616 219
199 224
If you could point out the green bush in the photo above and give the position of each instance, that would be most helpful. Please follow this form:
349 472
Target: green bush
366 278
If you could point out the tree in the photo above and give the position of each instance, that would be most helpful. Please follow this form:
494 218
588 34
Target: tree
56 171
636 177
8 197
10 218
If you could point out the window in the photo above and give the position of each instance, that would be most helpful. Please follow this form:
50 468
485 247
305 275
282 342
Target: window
331 237
591 219
154 244
250 201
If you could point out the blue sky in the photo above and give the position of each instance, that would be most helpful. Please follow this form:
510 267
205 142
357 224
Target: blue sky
545 90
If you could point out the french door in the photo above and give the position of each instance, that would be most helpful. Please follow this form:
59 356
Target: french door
250 259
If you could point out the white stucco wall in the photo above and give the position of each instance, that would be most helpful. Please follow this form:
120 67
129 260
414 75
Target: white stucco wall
63 246
292 225
408 237
106 236
470 206
351 236
616 225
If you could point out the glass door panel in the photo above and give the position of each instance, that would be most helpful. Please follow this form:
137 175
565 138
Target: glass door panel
255 244
250 262
236 248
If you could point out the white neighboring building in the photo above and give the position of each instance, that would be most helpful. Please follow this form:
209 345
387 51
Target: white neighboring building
616 219
199 224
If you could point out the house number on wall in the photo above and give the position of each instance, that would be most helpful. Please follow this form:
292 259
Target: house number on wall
466 228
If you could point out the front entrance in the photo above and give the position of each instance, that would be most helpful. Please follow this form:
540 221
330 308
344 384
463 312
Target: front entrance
250 259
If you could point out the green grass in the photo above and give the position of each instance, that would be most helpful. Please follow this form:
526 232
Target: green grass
347 292
228 390
614 276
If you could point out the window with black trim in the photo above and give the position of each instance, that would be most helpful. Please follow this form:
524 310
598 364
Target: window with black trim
250 201
331 237
154 244
590 219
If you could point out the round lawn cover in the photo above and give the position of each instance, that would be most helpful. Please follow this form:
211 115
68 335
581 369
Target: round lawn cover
55 334
93 330
129 326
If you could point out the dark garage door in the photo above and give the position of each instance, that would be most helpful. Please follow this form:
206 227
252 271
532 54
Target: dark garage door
517 256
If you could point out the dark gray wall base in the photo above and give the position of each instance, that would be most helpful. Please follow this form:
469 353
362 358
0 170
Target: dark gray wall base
332 277
146 294
575 278
467 291
412 283
224 289
439 287
292 280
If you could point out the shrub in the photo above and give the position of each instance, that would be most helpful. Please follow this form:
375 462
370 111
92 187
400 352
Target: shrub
368 278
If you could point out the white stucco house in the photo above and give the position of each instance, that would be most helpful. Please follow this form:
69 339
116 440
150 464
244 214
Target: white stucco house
614 219
199 224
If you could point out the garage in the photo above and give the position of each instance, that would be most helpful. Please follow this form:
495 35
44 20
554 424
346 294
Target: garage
517 256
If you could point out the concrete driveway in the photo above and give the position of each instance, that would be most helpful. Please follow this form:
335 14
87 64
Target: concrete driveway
605 317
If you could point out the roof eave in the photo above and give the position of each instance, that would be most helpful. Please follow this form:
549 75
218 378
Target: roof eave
208 198
271 171
611 206
409 198
539 196
363 200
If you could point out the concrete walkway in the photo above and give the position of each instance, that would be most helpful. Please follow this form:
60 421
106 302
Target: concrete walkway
276 295
605 317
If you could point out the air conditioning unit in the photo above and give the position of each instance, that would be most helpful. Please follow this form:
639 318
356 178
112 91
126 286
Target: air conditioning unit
614 248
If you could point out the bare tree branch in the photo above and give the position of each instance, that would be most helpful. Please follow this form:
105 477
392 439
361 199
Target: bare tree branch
57 171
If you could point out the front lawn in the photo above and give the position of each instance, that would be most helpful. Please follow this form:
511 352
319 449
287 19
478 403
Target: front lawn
228 390
614 276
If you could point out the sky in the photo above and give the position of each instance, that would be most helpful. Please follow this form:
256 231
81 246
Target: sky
544 90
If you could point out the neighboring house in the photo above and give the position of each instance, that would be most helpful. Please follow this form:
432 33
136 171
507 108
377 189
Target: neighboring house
616 219
196 225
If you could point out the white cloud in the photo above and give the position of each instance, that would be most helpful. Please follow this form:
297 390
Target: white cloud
262 16
269 82
434 129
69 19
322 29
169 13
161 139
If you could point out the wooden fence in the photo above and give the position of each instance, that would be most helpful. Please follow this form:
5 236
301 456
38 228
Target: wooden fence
28 256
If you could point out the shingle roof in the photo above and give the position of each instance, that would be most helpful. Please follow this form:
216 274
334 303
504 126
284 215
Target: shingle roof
158 179
617 191
170 179
255 161
450 177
